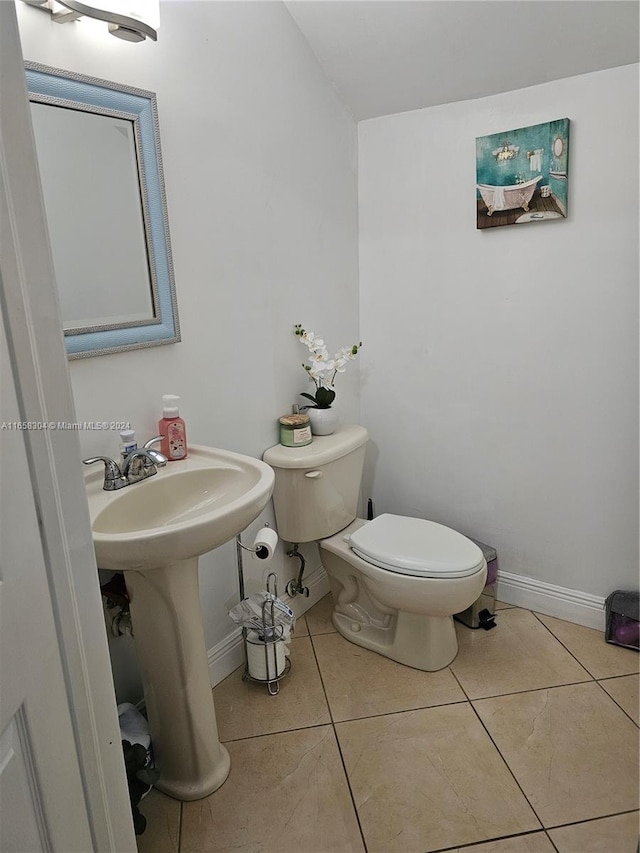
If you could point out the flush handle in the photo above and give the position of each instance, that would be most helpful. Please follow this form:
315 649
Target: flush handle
313 475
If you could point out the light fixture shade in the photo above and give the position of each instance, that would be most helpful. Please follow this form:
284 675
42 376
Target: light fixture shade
133 20
147 11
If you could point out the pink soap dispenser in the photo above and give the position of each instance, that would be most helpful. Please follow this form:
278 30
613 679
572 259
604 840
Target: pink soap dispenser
173 429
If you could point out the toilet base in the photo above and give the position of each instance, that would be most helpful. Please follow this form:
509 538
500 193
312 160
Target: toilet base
423 642
407 619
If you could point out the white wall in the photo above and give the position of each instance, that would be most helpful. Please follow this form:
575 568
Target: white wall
260 170
500 367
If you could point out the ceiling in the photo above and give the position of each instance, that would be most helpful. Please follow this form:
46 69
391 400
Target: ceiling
389 56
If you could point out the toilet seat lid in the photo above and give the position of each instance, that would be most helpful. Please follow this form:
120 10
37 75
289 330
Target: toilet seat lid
415 546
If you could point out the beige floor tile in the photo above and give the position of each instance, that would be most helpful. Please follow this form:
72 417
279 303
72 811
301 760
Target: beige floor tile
624 691
319 616
617 834
572 750
500 605
245 708
301 628
285 793
601 659
428 779
361 683
535 842
163 824
518 654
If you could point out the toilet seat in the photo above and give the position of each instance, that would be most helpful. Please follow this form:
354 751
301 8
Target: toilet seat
416 547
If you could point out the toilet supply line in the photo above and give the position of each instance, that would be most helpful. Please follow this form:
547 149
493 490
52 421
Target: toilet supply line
295 587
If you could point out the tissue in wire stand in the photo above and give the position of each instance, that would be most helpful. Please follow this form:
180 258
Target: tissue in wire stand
267 623
265 662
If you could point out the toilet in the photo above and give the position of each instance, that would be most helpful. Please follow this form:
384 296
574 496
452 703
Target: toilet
396 581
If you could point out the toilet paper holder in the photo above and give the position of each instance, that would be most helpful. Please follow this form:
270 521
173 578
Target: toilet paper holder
265 660
263 546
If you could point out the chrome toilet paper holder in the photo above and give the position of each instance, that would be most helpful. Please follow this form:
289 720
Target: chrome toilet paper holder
263 652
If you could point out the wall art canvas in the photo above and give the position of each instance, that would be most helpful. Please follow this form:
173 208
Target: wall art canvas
522 175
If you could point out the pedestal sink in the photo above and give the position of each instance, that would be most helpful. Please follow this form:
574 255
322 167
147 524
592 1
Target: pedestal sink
154 531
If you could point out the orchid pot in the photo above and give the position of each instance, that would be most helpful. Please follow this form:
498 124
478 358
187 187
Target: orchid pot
323 421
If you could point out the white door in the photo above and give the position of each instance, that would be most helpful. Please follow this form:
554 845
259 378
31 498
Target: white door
41 796
62 782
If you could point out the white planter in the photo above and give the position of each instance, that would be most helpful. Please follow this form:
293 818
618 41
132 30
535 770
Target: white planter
323 421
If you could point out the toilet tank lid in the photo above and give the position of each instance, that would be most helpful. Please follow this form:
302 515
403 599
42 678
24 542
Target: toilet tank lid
323 449
416 546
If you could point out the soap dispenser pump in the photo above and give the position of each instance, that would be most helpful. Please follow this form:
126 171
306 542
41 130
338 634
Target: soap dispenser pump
173 429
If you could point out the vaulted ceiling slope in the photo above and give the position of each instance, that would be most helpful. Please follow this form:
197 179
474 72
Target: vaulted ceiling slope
389 56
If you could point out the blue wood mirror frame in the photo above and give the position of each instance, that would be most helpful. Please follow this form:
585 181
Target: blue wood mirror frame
71 91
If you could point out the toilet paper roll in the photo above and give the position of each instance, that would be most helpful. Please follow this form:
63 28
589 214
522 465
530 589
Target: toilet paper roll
264 668
265 544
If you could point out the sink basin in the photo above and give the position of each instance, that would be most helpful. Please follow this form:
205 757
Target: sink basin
186 509
154 531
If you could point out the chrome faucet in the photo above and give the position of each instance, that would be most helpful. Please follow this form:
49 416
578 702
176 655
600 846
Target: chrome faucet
136 466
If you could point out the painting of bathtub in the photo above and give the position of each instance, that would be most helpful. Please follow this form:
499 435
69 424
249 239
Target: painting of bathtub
508 198
522 174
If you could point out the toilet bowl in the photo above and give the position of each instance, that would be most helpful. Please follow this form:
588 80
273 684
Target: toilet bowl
394 604
396 581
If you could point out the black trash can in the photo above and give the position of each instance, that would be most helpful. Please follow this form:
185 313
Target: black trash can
482 612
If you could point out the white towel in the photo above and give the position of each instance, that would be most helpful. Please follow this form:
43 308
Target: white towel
498 198
535 161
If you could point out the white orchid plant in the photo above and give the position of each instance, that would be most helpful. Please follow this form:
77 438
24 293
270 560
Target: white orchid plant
321 368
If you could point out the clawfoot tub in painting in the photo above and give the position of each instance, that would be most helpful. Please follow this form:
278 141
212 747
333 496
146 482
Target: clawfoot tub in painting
508 198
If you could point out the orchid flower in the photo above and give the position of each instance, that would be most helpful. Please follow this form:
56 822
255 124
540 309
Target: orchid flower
321 369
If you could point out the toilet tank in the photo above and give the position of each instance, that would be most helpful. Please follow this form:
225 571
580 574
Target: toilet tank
317 486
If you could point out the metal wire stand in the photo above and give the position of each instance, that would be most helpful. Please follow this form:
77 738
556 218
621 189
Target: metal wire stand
268 638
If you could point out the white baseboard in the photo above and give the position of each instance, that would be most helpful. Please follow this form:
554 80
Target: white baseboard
225 656
228 654
568 604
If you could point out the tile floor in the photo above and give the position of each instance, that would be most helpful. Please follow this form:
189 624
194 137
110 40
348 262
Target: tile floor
526 743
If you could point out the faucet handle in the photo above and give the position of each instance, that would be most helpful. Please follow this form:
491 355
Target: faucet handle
159 458
113 477
138 465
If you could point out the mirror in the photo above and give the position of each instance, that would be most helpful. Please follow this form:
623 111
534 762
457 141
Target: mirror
98 147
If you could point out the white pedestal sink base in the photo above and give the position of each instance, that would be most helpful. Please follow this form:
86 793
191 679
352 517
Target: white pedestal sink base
170 643
154 532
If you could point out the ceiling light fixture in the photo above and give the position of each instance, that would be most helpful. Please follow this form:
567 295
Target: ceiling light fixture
507 152
131 20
